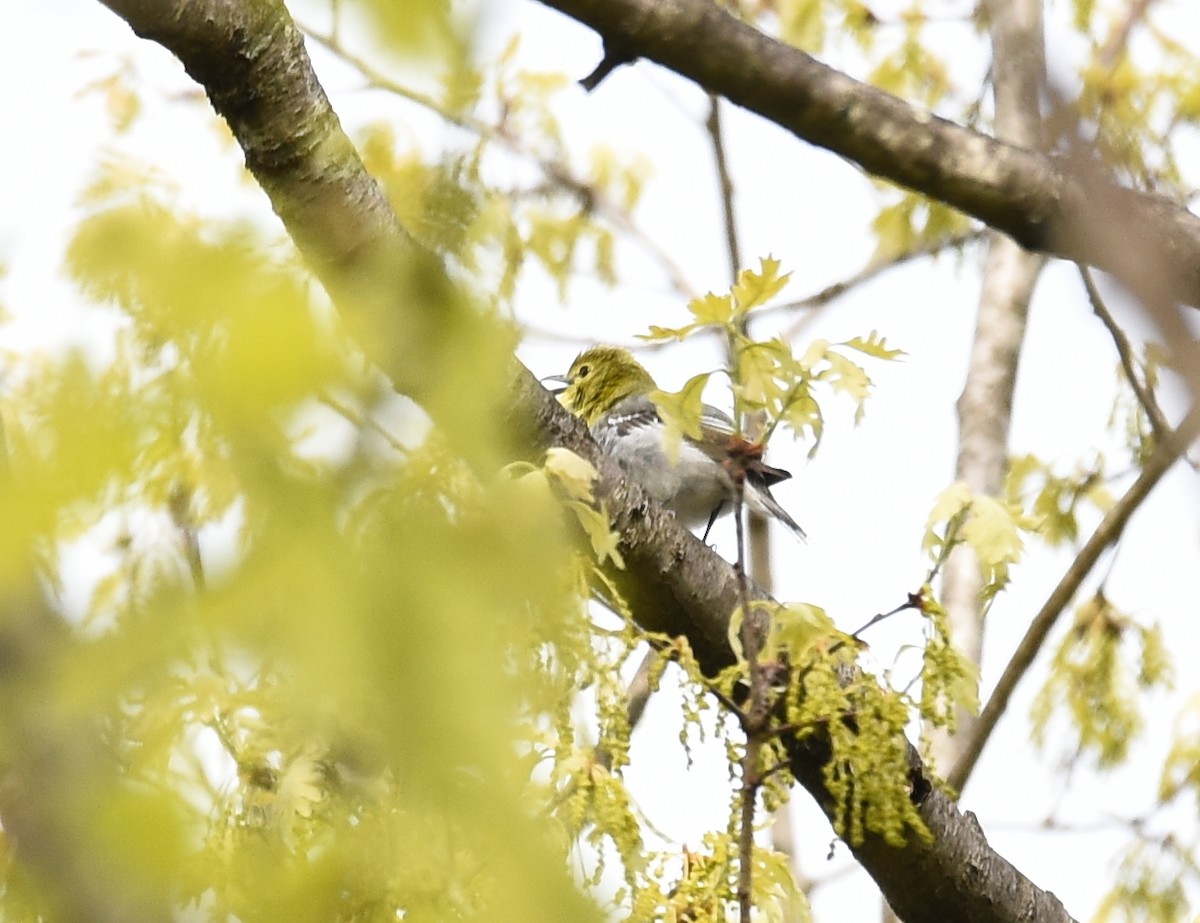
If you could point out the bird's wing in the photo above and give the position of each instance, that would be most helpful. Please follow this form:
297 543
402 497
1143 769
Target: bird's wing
637 416
717 430
632 415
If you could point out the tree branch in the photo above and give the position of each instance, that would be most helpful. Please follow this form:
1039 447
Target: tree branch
252 62
1010 275
1145 396
1109 530
875 266
1045 203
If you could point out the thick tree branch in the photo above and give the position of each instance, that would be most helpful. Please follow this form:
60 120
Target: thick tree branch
252 62
1045 203
391 293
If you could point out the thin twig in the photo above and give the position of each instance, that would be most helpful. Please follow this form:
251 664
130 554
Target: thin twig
725 181
637 694
1108 531
876 266
1145 396
913 602
754 720
557 172
179 505
1118 39
361 421
614 56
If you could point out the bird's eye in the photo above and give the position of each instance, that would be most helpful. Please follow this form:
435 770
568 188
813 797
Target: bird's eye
583 370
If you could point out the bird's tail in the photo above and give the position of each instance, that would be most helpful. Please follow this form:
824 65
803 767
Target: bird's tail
758 497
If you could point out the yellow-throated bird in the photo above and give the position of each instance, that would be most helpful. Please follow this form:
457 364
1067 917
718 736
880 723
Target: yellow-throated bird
610 391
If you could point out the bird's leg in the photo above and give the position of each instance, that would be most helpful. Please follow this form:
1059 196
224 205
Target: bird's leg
711 519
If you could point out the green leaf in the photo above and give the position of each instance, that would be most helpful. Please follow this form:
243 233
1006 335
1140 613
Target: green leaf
754 289
802 23
992 530
575 475
797 627
668 333
874 345
680 412
712 310
963 690
598 527
757 377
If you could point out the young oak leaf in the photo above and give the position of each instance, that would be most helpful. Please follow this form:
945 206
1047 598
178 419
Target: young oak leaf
850 378
574 474
874 345
759 367
797 627
802 412
754 289
948 504
963 690
712 310
992 530
680 412
991 527
598 527
667 333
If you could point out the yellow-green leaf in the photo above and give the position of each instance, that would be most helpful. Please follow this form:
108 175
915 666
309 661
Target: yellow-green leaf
680 412
754 289
874 345
575 475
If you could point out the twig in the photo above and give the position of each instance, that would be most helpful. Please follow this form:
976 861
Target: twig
614 56
725 180
754 720
1145 396
179 505
360 421
1118 39
913 602
875 266
559 173
637 694
1107 532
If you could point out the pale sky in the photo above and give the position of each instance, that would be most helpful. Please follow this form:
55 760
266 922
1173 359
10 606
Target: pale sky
863 500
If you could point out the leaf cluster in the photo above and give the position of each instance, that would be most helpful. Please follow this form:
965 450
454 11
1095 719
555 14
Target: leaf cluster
769 383
1105 661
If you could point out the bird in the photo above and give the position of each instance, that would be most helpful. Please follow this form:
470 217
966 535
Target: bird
610 391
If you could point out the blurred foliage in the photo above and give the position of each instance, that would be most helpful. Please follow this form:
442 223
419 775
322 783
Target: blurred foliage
1102 666
1150 883
767 379
326 669
332 721
1054 502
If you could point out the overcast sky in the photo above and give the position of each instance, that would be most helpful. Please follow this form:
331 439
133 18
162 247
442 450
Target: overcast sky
865 497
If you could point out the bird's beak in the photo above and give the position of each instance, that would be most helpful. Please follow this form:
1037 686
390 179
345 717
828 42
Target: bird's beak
560 380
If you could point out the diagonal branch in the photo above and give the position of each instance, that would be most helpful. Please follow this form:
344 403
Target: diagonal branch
1145 396
1109 530
1044 202
252 63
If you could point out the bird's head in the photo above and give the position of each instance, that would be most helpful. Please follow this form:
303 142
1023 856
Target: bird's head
599 379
